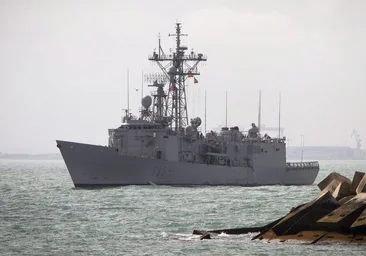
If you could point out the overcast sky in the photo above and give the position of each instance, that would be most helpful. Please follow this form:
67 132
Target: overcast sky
63 66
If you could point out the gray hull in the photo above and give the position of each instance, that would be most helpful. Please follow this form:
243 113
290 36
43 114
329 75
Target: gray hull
91 165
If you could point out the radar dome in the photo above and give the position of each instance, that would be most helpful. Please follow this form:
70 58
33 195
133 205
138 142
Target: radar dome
195 122
173 70
146 101
189 130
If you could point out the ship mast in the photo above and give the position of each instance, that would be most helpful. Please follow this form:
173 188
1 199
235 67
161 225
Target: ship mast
179 67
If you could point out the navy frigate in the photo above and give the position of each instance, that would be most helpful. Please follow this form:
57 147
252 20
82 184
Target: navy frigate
162 146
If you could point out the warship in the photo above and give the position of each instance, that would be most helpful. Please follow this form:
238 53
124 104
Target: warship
162 146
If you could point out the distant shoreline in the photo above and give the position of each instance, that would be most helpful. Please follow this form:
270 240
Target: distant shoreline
30 156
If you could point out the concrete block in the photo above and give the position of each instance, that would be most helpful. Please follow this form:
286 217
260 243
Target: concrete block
330 178
342 218
357 177
305 217
359 225
342 190
361 188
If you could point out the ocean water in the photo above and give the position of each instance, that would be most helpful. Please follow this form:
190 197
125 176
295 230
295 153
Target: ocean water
41 213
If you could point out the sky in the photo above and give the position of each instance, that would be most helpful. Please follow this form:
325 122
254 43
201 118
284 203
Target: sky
63 66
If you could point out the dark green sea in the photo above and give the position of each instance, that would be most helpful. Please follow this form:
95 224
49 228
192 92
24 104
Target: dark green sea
41 213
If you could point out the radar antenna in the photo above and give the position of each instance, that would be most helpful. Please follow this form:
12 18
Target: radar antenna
159 101
179 67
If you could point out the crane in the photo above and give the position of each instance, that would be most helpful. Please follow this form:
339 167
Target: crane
357 138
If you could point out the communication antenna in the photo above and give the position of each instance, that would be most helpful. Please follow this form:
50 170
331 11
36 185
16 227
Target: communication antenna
205 110
142 84
198 102
302 144
128 91
226 111
259 112
279 117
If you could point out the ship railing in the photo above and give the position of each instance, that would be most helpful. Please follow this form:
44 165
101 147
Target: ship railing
263 140
273 140
301 165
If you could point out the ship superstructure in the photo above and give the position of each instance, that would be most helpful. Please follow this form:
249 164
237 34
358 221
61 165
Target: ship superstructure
162 147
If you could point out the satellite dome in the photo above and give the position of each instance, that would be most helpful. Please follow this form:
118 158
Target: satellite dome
146 101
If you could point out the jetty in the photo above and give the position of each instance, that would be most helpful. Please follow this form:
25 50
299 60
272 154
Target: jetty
337 215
